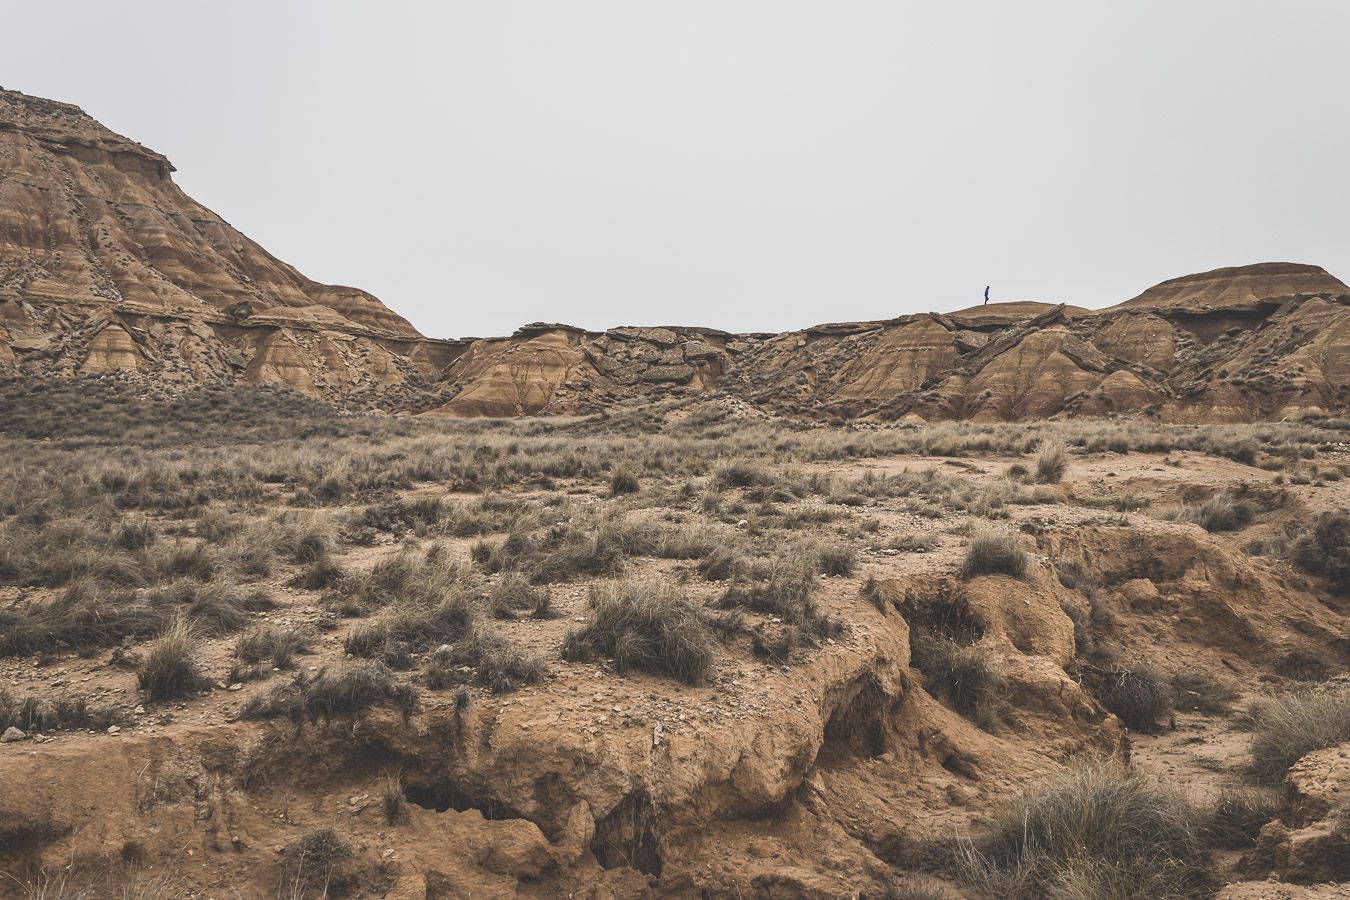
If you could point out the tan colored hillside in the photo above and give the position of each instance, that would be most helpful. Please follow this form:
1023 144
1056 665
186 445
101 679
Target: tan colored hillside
106 267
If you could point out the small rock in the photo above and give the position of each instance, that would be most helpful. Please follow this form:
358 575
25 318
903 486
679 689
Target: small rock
11 735
113 729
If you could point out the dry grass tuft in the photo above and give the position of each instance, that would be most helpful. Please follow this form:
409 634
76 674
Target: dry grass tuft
1052 459
1140 697
647 626
1290 728
169 670
1324 549
1098 831
346 693
995 551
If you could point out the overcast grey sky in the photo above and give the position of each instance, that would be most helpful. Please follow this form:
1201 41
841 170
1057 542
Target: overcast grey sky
742 164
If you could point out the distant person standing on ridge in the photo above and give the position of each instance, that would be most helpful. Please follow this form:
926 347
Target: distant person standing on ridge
986 295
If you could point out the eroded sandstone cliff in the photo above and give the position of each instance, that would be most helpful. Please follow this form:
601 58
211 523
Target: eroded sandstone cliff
106 266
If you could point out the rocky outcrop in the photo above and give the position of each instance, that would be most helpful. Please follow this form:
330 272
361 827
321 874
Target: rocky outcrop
106 266
1312 842
1240 287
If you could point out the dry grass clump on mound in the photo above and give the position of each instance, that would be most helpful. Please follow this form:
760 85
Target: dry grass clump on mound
346 694
995 551
959 671
82 616
402 577
277 646
313 865
964 676
784 589
494 662
1052 459
645 625
413 627
513 594
563 552
169 670
1140 697
435 606
1198 692
1098 831
1222 512
1237 815
1324 549
85 616
622 481
39 715
1290 728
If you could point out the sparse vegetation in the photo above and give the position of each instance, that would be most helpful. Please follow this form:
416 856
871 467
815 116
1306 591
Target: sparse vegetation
275 645
784 590
995 551
1099 831
345 693
1202 693
1051 461
170 670
1140 697
1324 549
647 626
44 715
1287 729
121 538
